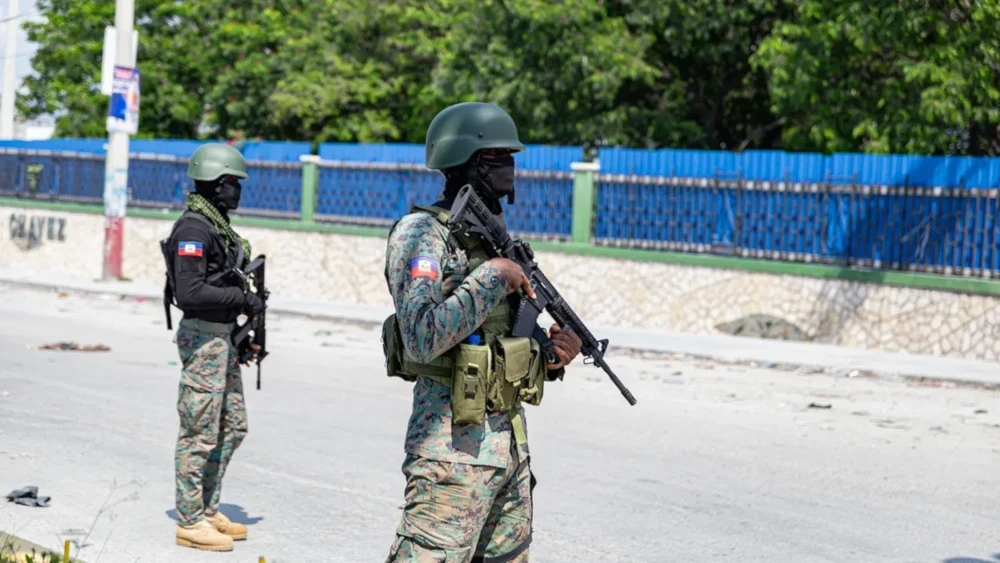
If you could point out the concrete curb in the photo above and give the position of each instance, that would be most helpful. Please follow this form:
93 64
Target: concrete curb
18 548
718 347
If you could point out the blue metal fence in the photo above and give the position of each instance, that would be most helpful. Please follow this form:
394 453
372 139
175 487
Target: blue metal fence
940 230
52 176
280 151
933 214
373 193
918 213
158 181
779 166
534 157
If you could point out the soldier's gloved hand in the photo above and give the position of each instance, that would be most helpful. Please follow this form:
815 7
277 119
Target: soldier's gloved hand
252 304
515 276
566 345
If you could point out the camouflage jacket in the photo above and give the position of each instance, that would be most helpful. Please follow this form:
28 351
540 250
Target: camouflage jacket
439 303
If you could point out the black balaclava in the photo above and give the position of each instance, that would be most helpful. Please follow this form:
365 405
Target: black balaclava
224 193
491 176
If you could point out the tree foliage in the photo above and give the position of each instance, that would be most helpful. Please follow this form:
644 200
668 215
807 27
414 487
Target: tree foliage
803 75
921 77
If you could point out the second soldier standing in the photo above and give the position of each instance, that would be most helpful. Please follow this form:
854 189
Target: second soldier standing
203 249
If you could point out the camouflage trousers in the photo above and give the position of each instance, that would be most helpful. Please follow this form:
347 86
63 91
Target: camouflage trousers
213 419
458 513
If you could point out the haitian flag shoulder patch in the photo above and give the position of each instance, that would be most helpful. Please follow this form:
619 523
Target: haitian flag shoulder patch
424 267
189 248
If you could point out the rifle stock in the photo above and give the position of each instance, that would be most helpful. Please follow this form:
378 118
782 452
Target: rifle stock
470 214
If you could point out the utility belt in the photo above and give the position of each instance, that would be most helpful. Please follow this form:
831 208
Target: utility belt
484 377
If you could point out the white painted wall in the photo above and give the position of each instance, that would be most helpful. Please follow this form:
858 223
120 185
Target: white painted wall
348 269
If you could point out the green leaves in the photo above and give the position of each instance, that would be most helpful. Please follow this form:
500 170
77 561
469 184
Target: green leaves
803 75
886 77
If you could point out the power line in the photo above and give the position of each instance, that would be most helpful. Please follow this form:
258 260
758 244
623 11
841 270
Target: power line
18 16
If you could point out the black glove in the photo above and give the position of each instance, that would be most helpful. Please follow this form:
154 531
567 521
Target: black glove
253 304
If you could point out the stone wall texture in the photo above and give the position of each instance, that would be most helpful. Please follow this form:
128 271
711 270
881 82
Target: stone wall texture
604 291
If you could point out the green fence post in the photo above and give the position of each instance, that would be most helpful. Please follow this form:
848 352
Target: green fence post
584 189
310 178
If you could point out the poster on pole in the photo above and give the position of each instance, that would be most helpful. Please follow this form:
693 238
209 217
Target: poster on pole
123 107
108 56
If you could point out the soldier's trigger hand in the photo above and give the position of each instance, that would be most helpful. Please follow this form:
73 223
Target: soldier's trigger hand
515 276
566 345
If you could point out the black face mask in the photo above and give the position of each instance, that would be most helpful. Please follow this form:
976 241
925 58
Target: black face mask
497 175
491 176
229 194
494 179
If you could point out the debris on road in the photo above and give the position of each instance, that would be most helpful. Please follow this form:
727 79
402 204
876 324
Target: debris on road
819 406
18 455
28 496
72 346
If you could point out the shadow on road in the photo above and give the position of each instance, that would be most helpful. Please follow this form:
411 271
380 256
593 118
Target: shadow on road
239 515
995 559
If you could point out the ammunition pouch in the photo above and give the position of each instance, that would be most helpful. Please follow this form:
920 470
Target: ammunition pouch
492 377
471 380
392 349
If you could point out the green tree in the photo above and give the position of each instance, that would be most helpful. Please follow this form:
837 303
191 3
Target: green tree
350 70
887 77
557 67
706 95
244 45
67 68
647 73
360 71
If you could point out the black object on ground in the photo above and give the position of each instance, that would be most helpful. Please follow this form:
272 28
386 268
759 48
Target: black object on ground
28 496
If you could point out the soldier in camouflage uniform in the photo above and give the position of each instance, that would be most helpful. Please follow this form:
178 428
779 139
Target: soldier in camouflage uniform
201 252
468 478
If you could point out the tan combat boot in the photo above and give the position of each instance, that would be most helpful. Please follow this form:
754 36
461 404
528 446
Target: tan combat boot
227 526
203 536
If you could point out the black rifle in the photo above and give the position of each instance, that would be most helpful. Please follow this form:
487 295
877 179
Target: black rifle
256 323
471 216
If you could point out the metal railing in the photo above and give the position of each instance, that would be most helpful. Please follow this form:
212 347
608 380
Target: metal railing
838 221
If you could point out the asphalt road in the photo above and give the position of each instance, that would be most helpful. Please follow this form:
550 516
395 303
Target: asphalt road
716 462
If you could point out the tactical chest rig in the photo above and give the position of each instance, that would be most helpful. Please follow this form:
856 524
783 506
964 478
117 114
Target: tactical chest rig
495 375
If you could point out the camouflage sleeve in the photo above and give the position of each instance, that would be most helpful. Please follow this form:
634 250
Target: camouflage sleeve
429 323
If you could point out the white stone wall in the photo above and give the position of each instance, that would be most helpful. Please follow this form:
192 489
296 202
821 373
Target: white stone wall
605 291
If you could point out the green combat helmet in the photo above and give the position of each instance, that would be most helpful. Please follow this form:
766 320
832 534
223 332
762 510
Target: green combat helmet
462 129
211 162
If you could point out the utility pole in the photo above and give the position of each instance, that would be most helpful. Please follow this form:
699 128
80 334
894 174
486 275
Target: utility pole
116 165
9 64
